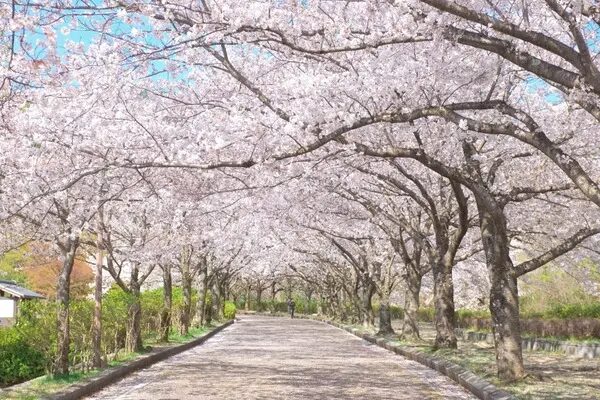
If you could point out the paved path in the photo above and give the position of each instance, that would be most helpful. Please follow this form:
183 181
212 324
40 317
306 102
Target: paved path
275 358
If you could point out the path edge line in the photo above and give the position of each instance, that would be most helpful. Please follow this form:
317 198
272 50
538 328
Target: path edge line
113 375
478 386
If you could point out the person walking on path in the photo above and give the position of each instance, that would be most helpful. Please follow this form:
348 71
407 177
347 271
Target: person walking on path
291 307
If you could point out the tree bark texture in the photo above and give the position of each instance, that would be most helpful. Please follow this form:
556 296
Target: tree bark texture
410 326
166 312
63 295
504 297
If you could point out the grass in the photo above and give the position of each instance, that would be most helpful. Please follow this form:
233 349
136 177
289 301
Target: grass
47 385
176 337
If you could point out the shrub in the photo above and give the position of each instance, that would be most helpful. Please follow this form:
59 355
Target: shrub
552 293
229 310
19 361
304 306
569 311
114 315
426 314
395 311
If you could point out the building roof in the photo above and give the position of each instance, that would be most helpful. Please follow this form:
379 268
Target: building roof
20 292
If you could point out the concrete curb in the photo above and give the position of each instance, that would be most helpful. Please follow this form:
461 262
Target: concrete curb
112 375
465 378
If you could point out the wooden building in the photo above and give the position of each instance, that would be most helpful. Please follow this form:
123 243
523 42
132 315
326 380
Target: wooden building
10 295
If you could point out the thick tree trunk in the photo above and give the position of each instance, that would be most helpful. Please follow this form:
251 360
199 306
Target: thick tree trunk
225 293
320 303
63 295
341 305
504 307
504 296
247 299
97 361
202 299
210 308
410 325
366 306
385 318
443 292
166 312
217 302
259 292
186 286
133 340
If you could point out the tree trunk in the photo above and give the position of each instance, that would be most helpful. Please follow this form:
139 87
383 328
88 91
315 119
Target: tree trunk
341 305
133 341
366 308
320 310
186 312
63 298
217 301
259 292
309 295
504 296
224 290
247 299
202 298
97 322
410 325
385 318
504 307
209 308
166 312
443 292
273 291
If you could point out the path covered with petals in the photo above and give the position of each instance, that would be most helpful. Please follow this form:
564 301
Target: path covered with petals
277 358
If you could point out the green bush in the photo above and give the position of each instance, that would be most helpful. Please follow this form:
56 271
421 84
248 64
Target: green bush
19 361
304 306
571 311
552 293
465 313
278 306
426 314
28 349
115 303
395 311
229 310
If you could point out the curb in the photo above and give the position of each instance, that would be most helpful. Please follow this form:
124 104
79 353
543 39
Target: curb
112 375
465 378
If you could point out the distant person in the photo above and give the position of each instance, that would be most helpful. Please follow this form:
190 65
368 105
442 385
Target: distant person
291 307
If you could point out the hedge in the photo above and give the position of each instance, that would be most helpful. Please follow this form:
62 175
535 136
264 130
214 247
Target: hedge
18 360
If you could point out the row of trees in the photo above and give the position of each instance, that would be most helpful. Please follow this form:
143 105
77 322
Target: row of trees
359 144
